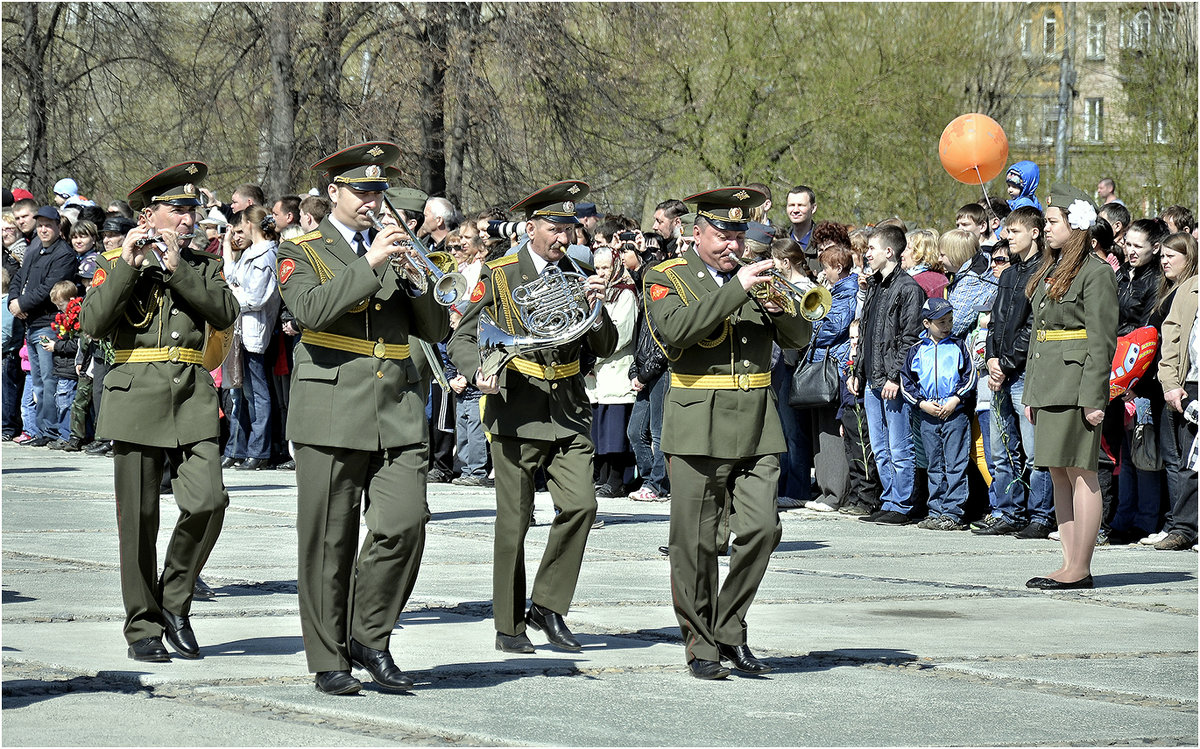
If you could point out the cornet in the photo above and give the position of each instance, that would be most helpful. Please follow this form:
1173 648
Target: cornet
812 305
448 286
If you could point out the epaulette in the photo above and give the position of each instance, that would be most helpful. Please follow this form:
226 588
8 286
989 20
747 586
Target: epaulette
500 262
314 234
112 254
671 263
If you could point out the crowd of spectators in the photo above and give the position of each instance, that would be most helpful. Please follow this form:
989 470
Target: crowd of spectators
928 328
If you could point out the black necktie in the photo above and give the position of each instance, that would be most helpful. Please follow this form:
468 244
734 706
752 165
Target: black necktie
360 245
726 275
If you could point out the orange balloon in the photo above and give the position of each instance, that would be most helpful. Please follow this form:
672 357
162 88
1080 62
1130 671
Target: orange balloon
973 142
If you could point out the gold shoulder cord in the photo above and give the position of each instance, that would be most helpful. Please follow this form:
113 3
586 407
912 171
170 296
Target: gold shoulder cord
503 298
679 284
324 274
153 303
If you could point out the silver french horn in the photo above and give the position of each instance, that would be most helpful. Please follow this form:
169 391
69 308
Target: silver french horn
552 308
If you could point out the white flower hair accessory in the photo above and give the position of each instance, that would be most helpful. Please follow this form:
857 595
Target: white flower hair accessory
1081 215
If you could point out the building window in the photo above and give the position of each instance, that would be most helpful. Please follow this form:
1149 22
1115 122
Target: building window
1049 29
1095 120
1156 128
1027 37
1019 134
1135 33
1050 126
1095 36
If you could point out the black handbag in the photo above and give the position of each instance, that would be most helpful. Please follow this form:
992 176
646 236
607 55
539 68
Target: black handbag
815 383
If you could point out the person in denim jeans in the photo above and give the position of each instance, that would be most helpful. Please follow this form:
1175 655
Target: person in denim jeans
648 380
938 376
891 325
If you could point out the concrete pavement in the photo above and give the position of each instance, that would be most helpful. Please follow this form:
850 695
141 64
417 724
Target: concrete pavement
880 636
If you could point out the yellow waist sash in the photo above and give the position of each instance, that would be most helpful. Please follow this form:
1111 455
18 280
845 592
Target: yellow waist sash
721 382
173 354
553 372
1062 335
378 349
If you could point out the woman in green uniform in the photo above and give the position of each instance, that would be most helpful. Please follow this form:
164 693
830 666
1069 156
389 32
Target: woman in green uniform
1071 347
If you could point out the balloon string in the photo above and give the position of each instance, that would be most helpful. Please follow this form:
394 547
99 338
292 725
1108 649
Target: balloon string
987 202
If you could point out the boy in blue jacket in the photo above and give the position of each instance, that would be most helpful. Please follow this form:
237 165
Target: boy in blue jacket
938 376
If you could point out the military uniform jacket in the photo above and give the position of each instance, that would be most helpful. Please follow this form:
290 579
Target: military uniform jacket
339 398
1074 372
526 406
706 329
161 403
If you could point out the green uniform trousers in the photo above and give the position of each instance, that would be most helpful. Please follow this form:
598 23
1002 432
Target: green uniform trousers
701 487
202 499
338 599
568 464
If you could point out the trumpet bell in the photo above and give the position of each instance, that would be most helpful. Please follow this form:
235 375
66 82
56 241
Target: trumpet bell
816 303
497 347
450 288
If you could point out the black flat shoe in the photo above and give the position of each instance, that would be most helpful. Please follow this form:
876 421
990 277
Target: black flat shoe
1049 583
231 462
513 643
180 635
742 659
253 464
545 620
150 650
337 682
707 669
379 664
201 590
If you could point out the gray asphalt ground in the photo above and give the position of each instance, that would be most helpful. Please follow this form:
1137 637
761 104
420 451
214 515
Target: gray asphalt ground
879 636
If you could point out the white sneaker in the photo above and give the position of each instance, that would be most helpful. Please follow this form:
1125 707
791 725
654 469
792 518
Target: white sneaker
819 506
1054 536
1153 538
788 503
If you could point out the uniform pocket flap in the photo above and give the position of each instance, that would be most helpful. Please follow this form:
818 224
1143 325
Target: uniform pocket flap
117 379
317 373
1075 356
689 396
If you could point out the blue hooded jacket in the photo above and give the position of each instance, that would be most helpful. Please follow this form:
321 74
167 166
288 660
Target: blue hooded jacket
1029 175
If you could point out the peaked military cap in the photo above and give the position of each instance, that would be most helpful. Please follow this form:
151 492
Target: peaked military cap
174 185
361 167
687 222
727 207
555 203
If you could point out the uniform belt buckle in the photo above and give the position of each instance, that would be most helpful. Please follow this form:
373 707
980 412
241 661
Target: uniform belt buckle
1041 336
173 354
743 382
548 372
379 350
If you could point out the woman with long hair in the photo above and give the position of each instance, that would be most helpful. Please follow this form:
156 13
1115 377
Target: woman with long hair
251 277
921 260
1071 348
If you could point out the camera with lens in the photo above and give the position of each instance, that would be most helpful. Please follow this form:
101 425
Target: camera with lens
505 229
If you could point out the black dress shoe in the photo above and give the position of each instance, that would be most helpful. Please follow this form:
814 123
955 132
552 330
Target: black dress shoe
337 682
201 590
149 649
664 550
742 659
381 667
231 462
544 620
253 464
707 669
180 635
1049 583
100 447
513 643
287 465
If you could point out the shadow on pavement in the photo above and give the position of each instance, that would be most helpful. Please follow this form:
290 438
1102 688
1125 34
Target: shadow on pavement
800 546
282 645
491 673
824 660
460 514
12 596
264 588
47 469
23 692
1119 579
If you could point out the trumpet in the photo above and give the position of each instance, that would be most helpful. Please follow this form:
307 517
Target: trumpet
449 286
812 305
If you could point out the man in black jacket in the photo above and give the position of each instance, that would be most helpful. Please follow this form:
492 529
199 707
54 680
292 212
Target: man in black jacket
1024 496
891 325
48 260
